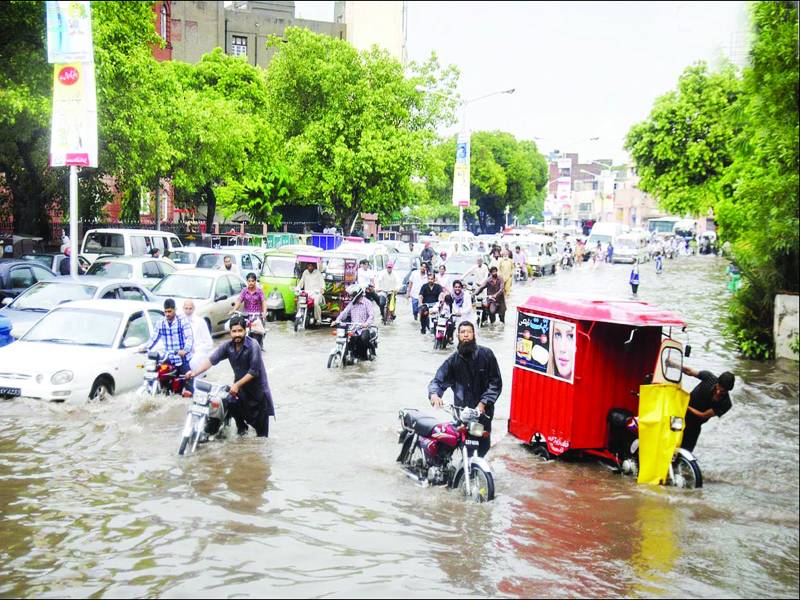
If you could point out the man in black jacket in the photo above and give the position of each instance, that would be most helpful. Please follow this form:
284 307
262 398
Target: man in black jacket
474 376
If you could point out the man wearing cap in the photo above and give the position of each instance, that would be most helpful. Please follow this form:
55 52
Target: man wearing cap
708 399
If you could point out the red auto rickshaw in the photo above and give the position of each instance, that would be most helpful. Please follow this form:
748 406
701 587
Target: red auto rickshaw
603 378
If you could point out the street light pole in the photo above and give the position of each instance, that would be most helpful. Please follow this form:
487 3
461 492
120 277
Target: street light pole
463 137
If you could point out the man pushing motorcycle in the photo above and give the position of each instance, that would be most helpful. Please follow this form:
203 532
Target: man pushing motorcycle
474 376
250 400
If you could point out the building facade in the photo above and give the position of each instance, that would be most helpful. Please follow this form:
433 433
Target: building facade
368 23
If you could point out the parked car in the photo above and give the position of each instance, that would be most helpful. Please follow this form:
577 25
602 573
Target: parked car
459 264
144 271
79 350
27 308
127 242
52 260
18 275
214 293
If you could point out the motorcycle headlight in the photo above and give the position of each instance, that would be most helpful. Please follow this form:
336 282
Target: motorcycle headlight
476 429
676 423
62 377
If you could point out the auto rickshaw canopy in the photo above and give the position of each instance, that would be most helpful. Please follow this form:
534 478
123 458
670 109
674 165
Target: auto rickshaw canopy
622 312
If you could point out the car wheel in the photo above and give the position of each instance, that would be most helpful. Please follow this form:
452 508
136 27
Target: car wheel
102 389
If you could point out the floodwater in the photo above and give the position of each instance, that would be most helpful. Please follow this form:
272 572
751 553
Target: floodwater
94 500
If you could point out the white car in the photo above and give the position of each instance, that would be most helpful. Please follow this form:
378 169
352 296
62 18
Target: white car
147 272
79 350
246 259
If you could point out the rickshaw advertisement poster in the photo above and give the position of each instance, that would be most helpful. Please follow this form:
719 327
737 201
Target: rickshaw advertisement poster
545 346
350 270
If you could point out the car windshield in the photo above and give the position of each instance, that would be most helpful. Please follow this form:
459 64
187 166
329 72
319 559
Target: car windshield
42 260
181 257
279 266
213 261
626 243
44 296
82 327
105 268
184 286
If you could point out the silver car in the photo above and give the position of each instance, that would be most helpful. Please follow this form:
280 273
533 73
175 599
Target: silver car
214 293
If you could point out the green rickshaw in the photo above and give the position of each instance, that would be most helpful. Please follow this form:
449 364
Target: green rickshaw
280 275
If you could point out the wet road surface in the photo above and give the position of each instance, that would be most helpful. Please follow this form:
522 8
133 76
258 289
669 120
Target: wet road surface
95 501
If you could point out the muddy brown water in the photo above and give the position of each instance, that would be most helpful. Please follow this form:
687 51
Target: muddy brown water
94 500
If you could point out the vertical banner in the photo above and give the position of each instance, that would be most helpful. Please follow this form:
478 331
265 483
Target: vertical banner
73 134
69 32
461 171
546 346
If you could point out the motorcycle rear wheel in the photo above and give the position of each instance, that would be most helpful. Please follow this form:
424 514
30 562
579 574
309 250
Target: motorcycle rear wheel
481 484
687 473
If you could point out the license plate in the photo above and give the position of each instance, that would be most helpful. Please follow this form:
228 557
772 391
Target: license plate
301 301
9 391
200 411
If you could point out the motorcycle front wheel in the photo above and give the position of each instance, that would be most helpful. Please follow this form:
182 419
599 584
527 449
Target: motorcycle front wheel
481 484
687 473
334 360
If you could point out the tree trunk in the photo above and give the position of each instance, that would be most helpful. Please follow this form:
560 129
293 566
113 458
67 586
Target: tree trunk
30 214
211 207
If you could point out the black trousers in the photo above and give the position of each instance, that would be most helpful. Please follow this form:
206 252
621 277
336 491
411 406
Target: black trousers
690 436
361 344
249 410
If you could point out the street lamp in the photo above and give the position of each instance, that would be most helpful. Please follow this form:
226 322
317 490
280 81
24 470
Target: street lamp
463 138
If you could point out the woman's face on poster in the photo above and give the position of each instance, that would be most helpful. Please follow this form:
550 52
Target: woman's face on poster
563 349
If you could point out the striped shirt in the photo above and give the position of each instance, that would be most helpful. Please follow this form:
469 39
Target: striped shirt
176 335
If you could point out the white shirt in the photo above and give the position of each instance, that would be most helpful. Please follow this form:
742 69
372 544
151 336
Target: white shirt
365 277
444 281
465 309
313 283
202 337
417 281
387 282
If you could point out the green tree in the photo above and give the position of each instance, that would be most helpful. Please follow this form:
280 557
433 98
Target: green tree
683 148
352 126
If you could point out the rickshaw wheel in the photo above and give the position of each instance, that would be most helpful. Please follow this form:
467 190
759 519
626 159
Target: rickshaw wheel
687 473
541 451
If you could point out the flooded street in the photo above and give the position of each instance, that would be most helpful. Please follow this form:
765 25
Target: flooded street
95 501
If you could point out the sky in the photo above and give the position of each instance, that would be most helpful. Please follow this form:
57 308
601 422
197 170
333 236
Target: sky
580 70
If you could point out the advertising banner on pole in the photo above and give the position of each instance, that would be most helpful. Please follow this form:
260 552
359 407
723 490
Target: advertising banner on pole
69 32
73 140
461 171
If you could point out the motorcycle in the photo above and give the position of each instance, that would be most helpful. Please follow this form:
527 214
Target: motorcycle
443 332
436 452
161 377
389 306
344 352
519 273
206 418
566 261
623 443
304 317
477 303
427 313
488 302
276 307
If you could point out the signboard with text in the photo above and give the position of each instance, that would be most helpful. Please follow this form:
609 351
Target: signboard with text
461 171
69 32
73 134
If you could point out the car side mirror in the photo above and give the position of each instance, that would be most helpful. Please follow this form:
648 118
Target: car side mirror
687 351
133 342
219 297
7 301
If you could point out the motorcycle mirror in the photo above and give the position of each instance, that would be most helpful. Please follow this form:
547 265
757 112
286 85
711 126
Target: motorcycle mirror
687 351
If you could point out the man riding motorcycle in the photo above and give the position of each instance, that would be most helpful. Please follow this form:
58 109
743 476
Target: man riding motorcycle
178 340
313 283
495 295
386 284
429 296
361 317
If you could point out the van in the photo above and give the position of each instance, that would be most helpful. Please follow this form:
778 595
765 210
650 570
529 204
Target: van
127 242
604 233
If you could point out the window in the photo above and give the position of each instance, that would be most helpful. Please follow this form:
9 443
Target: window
155 317
21 277
257 264
165 268
150 270
239 45
223 289
104 243
247 264
236 285
110 269
136 331
140 245
40 274
132 293
164 19
110 294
